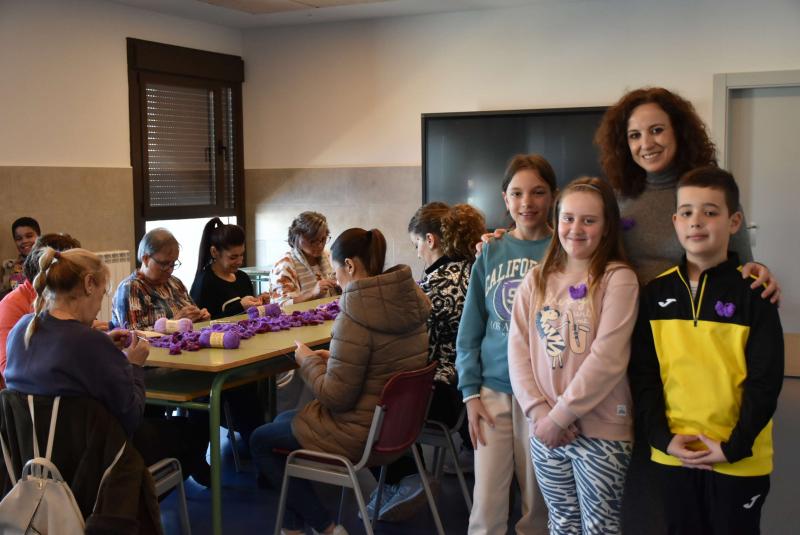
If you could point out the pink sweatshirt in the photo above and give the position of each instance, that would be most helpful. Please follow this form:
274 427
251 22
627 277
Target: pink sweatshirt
572 364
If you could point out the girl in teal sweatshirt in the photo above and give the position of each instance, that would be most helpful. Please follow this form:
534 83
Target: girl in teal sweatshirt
497 426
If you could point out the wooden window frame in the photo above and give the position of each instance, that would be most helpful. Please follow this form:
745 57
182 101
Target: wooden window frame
148 62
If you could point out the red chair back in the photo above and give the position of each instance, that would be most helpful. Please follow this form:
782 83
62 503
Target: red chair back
405 399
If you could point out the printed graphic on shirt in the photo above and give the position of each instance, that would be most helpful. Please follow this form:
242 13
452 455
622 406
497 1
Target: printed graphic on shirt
501 287
548 331
558 329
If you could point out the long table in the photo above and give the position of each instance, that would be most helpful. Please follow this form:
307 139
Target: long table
195 374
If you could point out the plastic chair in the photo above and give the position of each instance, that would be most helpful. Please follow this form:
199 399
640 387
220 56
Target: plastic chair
168 475
396 425
440 436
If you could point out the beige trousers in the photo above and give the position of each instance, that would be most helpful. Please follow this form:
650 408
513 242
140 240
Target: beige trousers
505 454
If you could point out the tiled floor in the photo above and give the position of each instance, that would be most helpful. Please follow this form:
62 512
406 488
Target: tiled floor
248 509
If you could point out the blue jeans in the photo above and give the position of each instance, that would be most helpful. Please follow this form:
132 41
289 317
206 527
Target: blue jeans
302 505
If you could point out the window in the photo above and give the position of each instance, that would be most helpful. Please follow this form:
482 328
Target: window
186 133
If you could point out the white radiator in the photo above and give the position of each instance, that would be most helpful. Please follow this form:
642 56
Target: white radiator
119 267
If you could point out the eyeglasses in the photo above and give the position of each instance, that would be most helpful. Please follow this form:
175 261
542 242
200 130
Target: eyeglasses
166 265
319 241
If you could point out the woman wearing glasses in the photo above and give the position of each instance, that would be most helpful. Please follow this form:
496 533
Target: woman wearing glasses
152 292
305 272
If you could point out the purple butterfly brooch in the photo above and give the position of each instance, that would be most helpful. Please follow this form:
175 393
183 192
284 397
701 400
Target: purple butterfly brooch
726 310
577 292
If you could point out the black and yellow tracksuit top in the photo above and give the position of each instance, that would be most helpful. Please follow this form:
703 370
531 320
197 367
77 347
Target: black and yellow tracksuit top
710 363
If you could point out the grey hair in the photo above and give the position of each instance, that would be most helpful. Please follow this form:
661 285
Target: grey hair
154 241
307 225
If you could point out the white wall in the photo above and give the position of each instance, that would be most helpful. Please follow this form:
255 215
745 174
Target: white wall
64 81
352 93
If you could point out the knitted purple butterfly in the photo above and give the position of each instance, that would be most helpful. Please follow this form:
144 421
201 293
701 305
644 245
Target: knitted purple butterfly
725 310
577 292
627 223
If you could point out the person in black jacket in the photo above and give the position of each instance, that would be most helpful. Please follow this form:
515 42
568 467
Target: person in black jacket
225 290
219 285
706 371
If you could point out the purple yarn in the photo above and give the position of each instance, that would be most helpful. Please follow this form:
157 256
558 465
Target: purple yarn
270 310
244 329
230 338
627 223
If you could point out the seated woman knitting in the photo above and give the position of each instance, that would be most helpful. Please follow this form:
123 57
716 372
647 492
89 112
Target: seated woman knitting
20 300
381 330
152 292
219 285
304 272
54 351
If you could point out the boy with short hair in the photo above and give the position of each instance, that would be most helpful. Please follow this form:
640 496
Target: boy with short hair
706 370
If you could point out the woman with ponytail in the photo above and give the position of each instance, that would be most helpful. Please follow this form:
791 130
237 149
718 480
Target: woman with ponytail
225 290
219 285
54 351
380 331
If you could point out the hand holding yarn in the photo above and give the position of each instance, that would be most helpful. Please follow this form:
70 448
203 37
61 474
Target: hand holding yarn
163 325
193 313
121 338
249 301
302 352
324 287
138 351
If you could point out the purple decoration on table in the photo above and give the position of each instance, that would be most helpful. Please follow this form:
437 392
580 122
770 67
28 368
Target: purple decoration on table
577 292
228 339
270 310
726 310
627 223
164 325
244 329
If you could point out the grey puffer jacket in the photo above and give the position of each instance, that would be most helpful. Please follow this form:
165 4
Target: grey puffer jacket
380 331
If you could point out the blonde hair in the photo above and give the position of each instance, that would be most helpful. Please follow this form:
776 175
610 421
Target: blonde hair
60 273
609 250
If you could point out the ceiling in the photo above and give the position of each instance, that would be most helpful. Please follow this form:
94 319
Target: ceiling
247 14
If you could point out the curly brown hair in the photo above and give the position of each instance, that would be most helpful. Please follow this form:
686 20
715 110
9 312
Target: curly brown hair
459 227
694 148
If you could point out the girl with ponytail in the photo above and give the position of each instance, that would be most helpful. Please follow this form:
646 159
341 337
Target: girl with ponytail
54 351
380 331
219 285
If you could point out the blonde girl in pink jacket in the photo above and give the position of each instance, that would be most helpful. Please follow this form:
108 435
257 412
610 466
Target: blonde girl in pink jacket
568 353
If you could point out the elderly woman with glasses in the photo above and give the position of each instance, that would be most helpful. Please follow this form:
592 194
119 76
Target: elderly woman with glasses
152 292
305 272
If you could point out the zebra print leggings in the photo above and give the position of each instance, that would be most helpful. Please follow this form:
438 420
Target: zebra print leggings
582 484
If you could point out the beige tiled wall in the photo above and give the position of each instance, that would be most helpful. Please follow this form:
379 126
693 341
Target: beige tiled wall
367 197
93 204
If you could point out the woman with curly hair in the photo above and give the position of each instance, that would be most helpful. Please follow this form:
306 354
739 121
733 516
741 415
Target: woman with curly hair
647 141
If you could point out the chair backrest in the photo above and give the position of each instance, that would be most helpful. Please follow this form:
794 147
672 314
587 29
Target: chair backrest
404 400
